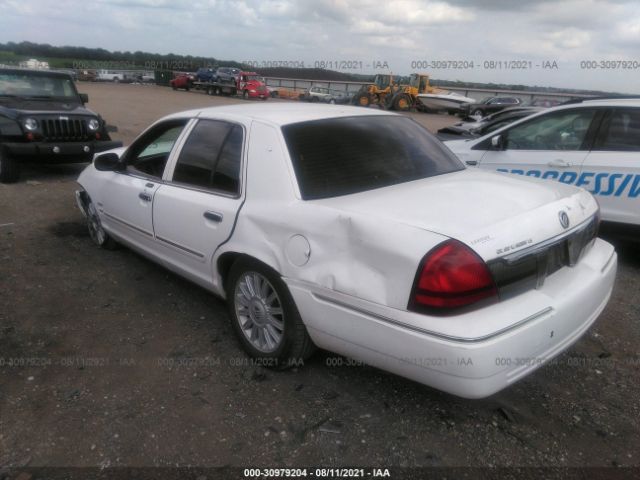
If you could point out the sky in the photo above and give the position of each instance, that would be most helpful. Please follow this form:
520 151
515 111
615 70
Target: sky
370 36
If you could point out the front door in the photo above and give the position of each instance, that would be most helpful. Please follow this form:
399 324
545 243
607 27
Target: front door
127 199
549 146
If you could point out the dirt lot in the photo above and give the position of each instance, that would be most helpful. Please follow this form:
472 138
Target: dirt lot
109 360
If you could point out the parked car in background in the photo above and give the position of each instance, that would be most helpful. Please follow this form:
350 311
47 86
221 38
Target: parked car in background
326 95
205 74
486 124
545 102
497 267
183 80
489 105
226 75
146 77
43 119
87 75
288 93
110 76
593 144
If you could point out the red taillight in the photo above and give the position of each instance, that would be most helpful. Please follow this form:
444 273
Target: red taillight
451 276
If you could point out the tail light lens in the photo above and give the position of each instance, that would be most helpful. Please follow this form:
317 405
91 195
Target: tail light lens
451 276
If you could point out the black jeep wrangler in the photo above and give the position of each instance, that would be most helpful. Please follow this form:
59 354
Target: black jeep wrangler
43 120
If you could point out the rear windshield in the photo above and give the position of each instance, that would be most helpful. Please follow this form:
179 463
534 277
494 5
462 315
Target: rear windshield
340 156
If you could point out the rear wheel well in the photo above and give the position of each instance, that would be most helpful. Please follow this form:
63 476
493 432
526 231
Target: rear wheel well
227 259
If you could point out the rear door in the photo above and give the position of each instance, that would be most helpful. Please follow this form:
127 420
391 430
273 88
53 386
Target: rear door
195 210
611 171
551 146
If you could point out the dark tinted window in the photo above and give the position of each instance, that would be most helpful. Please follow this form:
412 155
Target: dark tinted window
211 157
623 131
227 173
340 156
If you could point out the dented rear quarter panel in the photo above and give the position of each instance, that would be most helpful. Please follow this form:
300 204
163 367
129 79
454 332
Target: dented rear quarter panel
371 258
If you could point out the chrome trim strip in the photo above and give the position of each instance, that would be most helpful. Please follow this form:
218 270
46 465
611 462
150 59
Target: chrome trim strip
431 333
192 252
138 229
532 250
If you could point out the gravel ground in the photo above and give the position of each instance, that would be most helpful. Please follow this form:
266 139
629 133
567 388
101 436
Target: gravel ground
110 360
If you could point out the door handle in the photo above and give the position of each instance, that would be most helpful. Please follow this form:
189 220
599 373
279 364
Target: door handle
472 163
149 185
213 216
559 163
144 196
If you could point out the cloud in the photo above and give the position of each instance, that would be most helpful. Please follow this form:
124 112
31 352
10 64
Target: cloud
395 31
628 32
570 38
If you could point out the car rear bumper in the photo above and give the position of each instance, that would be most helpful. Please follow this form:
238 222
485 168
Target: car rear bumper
526 331
61 152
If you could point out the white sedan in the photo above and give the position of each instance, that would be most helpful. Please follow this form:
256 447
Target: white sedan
360 233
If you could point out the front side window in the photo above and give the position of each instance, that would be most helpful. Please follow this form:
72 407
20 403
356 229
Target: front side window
211 157
565 130
149 154
622 131
341 156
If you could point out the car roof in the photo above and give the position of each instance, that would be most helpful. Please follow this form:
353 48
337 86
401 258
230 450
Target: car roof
609 102
32 71
282 113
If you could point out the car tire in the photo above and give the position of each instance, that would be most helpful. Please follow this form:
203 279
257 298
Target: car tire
97 233
173 87
332 101
253 291
388 102
9 169
402 102
245 95
363 100
477 113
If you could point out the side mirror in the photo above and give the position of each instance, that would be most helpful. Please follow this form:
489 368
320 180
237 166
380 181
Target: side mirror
108 162
84 98
497 142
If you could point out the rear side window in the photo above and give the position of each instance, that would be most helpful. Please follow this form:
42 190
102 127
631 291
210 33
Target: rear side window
622 131
211 157
341 156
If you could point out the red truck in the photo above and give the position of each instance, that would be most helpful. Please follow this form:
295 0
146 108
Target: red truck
248 84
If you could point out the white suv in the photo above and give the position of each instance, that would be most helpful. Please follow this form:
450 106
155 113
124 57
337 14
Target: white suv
593 144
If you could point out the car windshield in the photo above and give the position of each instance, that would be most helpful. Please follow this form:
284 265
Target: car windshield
251 78
341 156
27 85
